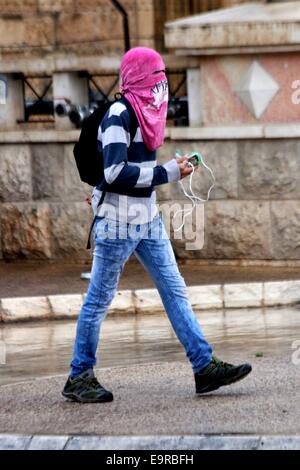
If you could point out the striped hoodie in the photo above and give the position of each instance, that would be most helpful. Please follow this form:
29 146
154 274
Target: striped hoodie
130 169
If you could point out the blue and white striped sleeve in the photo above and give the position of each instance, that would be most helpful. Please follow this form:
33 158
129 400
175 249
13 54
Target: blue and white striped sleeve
115 136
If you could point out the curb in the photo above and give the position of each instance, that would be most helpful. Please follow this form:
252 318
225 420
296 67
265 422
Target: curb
202 442
218 296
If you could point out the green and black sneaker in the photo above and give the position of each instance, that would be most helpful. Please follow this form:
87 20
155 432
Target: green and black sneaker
85 388
218 373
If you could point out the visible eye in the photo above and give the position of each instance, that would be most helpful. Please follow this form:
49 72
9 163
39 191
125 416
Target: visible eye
159 71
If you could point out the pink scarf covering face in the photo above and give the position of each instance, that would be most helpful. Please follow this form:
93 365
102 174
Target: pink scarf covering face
147 92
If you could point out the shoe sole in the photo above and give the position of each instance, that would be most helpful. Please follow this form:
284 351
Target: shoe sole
217 385
72 397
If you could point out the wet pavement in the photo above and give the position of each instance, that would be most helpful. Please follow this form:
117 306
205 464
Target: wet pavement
35 350
38 278
159 400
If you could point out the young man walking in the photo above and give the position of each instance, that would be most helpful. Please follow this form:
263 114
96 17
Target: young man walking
128 222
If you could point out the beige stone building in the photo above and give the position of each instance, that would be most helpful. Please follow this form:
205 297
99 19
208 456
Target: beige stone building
242 77
35 28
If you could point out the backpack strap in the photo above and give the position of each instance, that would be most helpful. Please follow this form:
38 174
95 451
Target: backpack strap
88 245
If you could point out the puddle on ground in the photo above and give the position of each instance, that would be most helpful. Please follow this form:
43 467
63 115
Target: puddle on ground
35 350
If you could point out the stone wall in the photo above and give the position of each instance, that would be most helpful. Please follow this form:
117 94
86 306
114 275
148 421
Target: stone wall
43 211
254 212
35 28
168 10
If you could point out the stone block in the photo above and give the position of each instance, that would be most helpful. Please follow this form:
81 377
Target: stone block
285 217
17 7
163 442
269 170
233 230
56 6
219 156
48 443
14 442
279 443
74 188
147 301
26 231
28 31
15 173
1 254
65 306
229 443
123 302
84 443
48 171
281 131
205 297
98 25
70 226
281 293
243 295
144 43
145 21
25 308
189 238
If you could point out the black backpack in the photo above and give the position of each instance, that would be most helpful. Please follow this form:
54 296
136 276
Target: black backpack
89 159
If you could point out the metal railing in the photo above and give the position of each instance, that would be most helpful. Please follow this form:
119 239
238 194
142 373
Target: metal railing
39 106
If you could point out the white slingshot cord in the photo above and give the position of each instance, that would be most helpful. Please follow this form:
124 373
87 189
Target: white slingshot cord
192 197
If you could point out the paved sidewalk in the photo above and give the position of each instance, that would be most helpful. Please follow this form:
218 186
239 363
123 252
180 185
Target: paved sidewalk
256 287
159 399
40 278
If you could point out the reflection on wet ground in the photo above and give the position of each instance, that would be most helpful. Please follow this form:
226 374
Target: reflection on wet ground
41 349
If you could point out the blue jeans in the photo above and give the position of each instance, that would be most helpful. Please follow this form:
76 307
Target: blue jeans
152 247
